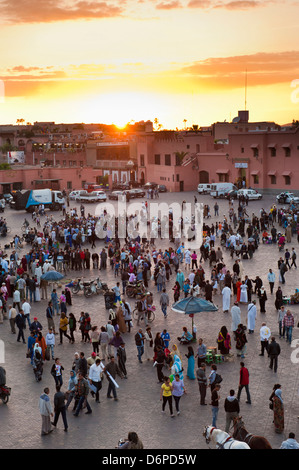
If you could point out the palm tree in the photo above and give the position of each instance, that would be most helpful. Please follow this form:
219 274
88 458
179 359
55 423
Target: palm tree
157 124
7 148
179 156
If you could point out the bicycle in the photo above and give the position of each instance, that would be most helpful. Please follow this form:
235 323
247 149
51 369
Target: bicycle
150 315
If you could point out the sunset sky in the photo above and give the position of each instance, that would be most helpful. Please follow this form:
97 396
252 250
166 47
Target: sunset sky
116 61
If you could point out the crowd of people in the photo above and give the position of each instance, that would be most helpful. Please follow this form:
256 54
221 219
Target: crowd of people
69 244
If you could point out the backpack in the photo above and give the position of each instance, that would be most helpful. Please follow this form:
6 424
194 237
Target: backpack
218 379
140 306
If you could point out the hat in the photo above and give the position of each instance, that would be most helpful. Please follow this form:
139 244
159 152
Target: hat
93 354
34 318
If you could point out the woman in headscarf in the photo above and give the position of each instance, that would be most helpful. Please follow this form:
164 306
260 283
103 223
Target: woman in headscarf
148 344
224 341
278 409
191 363
241 340
180 278
120 318
158 342
4 291
176 367
40 340
262 299
176 289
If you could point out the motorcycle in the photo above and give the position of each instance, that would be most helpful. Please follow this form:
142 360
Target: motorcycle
95 287
5 393
78 285
135 289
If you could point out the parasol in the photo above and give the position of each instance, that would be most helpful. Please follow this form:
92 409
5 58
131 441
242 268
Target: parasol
192 305
52 276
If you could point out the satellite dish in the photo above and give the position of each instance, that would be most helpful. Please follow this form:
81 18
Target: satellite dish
236 120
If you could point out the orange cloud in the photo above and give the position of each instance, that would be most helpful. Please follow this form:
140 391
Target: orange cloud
36 11
262 69
217 73
169 6
199 4
40 74
240 5
233 5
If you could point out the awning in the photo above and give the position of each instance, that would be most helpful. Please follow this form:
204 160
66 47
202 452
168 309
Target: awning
255 172
12 182
223 172
286 173
48 179
272 173
254 146
286 145
272 146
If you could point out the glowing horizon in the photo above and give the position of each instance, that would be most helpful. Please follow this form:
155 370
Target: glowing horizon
106 62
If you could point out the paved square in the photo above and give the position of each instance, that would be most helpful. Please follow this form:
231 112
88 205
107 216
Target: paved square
139 407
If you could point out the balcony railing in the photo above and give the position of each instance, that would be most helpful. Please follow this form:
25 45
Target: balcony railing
112 164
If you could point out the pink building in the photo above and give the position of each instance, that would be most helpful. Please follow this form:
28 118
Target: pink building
265 156
30 177
267 159
176 159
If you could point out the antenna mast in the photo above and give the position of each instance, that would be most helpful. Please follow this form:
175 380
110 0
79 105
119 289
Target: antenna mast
245 89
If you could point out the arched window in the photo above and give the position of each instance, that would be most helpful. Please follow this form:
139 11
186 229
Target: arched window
204 177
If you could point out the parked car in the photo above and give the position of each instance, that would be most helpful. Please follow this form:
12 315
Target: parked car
120 186
252 194
232 194
95 196
8 198
162 188
73 195
136 192
287 198
115 194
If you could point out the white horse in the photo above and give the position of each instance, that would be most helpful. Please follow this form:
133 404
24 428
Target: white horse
222 439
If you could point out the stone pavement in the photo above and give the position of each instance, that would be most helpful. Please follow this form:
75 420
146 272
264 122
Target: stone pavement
139 407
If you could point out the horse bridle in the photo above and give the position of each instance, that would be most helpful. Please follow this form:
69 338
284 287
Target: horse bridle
220 446
248 435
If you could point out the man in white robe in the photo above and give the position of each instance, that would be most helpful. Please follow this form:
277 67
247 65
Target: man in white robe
236 316
226 294
251 316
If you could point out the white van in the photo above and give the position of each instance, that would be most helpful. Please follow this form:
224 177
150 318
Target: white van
94 196
203 188
80 195
221 189
252 194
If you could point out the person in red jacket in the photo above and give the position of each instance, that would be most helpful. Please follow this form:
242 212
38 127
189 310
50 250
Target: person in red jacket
244 382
